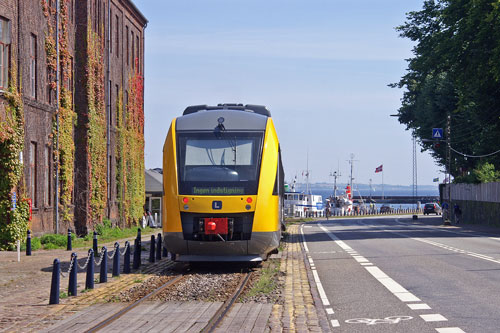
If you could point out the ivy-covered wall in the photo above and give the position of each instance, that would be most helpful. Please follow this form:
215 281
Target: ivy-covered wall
13 222
130 152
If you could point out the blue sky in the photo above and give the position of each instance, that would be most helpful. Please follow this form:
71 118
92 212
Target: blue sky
321 67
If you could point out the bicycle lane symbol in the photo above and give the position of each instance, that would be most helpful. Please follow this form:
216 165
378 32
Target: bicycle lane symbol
386 320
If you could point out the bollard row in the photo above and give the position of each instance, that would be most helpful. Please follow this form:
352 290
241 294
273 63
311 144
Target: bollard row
90 263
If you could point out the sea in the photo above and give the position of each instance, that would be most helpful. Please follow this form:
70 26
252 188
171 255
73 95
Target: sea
389 190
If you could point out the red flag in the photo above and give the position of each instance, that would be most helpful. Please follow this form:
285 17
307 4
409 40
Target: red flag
379 169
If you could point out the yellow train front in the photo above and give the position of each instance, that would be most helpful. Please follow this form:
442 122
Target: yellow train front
223 184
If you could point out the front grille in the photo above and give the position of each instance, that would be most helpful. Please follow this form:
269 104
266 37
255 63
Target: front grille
239 227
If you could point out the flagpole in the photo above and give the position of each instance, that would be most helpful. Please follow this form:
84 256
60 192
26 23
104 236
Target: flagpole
382 181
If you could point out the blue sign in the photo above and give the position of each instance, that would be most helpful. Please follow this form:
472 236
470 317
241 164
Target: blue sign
437 133
216 205
319 205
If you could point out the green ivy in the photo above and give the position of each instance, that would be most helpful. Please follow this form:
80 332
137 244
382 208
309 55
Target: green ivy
13 222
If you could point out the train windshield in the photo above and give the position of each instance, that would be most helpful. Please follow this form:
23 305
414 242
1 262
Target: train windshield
212 163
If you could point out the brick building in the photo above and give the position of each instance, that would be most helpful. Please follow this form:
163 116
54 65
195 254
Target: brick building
27 28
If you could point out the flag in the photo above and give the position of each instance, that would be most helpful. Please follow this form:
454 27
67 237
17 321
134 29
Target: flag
436 180
379 169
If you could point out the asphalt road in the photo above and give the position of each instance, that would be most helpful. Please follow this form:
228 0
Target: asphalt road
390 274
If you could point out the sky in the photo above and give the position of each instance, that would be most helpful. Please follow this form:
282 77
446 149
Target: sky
320 66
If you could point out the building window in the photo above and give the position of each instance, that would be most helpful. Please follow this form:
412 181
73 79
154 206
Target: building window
133 50
138 48
117 40
110 181
70 77
110 32
4 53
127 38
33 174
33 63
72 10
49 87
48 178
117 89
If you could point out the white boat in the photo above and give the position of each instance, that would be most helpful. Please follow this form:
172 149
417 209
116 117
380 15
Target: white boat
299 204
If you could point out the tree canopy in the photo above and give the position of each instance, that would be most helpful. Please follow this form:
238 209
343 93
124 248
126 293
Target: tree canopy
455 70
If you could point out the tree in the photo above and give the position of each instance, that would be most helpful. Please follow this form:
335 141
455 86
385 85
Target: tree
455 70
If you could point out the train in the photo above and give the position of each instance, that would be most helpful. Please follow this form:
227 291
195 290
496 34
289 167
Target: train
223 184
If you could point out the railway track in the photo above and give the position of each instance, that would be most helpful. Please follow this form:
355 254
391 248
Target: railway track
212 323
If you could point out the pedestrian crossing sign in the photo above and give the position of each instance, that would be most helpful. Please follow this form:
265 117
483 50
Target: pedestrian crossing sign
437 133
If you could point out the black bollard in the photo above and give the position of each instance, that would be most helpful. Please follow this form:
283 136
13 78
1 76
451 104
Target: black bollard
158 248
103 276
137 254
94 247
72 276
28 243
89 281
69 246
139 240
165 252
54 286
116 260
126 259
152 249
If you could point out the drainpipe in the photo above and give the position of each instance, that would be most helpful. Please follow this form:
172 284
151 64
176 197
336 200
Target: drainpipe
108 143
56 194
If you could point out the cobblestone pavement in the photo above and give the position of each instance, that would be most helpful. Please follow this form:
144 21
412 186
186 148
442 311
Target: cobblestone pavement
302 311
25 287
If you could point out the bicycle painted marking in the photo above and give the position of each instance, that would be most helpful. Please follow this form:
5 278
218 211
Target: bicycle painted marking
386 320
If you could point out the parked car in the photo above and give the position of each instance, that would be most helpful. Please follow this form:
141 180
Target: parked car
432 208
386 209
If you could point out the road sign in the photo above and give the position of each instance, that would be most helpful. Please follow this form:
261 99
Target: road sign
437 133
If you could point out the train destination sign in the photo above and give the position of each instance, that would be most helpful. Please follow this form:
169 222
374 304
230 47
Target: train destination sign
219 190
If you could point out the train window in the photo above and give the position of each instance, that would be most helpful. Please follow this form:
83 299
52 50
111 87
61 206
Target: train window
219 164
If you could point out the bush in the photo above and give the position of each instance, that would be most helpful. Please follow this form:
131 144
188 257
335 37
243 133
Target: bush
54 239
102 227
35 244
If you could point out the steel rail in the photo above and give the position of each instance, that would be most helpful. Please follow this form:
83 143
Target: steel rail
126 309
224 309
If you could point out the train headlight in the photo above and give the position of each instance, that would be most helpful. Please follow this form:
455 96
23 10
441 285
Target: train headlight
186 207
248 207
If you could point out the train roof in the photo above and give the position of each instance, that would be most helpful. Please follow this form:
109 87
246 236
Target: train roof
231 117
258 109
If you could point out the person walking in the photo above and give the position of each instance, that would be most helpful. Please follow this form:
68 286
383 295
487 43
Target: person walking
458 213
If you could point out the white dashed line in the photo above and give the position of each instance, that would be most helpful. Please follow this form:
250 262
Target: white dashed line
366 264
419 306
449 330
335 323
360 259
433 317
329 311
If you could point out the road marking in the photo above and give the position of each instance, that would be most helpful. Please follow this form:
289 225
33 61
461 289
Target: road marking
454 249
394 287
433 317
386 320
366 264
449 330
304 240
329 311
360 259
335 323
419 306
308 226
